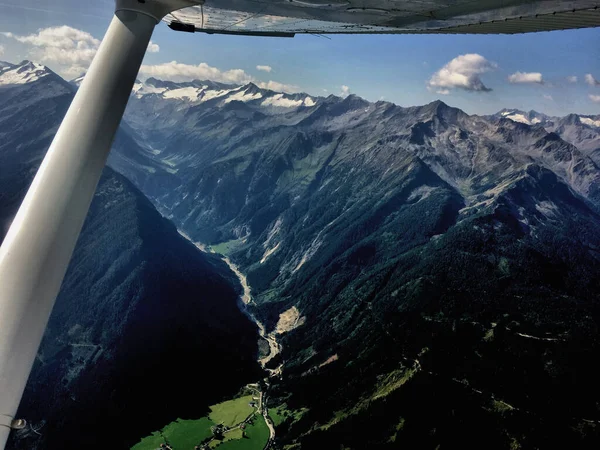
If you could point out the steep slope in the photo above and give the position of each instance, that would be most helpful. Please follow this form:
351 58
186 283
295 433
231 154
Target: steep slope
146 328
27 102
444 267
143 324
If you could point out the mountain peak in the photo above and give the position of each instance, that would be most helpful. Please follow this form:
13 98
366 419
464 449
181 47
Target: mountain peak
441 110
24 72
252 88
571 119
355 101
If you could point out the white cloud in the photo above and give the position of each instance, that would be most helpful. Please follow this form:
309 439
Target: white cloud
526 77
175 71
548 97
1 50
595 98
463 72
153 48
279 87
443 91
345 91
70 49
589 79
264 68
572 79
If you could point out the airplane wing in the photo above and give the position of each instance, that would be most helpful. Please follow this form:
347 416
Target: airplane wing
288 17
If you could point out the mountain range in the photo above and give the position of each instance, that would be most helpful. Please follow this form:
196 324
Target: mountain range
143 317
444 267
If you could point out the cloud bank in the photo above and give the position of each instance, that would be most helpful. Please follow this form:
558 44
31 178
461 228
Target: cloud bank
175 71
68 48
278 87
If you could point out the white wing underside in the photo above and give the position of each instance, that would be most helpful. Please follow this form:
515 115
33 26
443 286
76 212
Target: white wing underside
287 17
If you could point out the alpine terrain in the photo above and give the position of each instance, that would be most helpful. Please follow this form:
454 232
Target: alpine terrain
426 278
146 328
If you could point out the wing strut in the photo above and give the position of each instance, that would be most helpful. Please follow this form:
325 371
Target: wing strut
37 249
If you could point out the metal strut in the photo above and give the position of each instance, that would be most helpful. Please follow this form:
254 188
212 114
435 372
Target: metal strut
36 251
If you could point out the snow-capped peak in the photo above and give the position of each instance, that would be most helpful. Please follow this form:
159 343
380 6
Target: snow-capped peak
528 118
25 72
195 92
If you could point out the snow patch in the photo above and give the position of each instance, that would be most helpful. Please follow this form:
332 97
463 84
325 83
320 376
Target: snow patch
141 89
518 118
242 96
279 100
209 95
590 122
190 93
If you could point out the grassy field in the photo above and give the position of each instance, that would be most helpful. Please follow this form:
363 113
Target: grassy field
238 433
256 438
180 434
186 434
231 412
151 442
225 248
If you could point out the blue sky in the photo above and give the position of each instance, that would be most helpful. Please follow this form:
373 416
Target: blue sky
397 68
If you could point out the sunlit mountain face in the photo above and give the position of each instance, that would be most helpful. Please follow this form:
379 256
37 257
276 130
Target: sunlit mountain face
441 270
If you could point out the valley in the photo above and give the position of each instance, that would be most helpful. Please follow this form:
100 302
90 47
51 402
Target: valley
193 434
425 274
246 299
137 300
392 235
